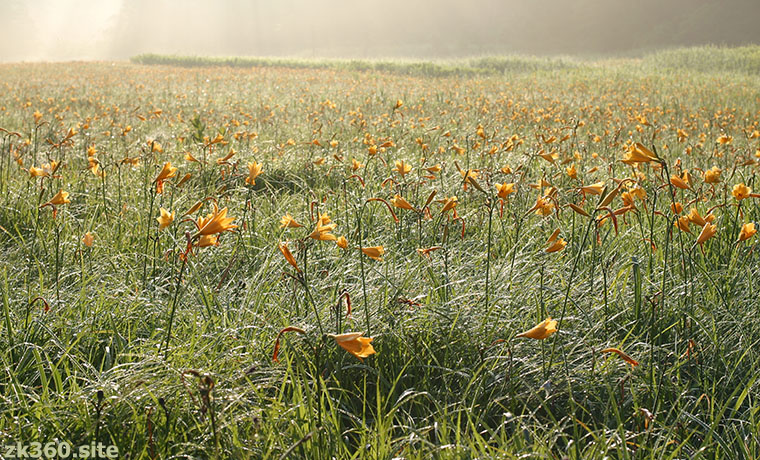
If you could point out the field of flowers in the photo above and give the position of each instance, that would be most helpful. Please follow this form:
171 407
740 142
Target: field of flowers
275 262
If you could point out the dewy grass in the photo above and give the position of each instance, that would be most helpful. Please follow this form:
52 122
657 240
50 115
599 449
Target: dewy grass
159 339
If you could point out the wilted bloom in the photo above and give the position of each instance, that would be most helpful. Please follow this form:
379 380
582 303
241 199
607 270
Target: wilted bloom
288 221
402 168
88 239
288 256
541 331
374 252
712 175
747 231
165 219
620 353
741 191
708 231
399 202
354 343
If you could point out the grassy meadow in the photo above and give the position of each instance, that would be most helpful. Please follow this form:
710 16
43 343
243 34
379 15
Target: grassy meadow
191 248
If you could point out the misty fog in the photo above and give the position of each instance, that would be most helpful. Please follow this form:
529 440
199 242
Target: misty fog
118 29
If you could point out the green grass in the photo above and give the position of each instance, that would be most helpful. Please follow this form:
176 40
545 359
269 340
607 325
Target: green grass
449 379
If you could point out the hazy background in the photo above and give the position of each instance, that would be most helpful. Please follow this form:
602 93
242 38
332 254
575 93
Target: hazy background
117 29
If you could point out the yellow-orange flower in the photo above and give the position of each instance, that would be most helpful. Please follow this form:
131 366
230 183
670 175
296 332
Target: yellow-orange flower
554 243
288 256
254 170
741 192
60 198
165 219
637 153
208 240
88 239
354 343
167 172
541 331
342 242
503 190
216 222
708 231
747 231
449 203
402 167
322 230
712 175
374 252
355 164
399 202
593 189
288 221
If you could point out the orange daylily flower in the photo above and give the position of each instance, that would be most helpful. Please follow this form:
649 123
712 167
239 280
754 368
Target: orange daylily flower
541 331
216 222
342 242
254 170
167 172
60 198
354 343
741 192
747 232
708 231
712 175
402 167
165 219
637 153
88 239
399 202
287 221
374 252
503 190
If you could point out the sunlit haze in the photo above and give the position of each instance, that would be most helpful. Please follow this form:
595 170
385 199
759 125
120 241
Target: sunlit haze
117 29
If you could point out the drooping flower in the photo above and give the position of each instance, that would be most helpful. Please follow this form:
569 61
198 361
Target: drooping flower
541 331
449 203
342 242
165 219
354 343
555 244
